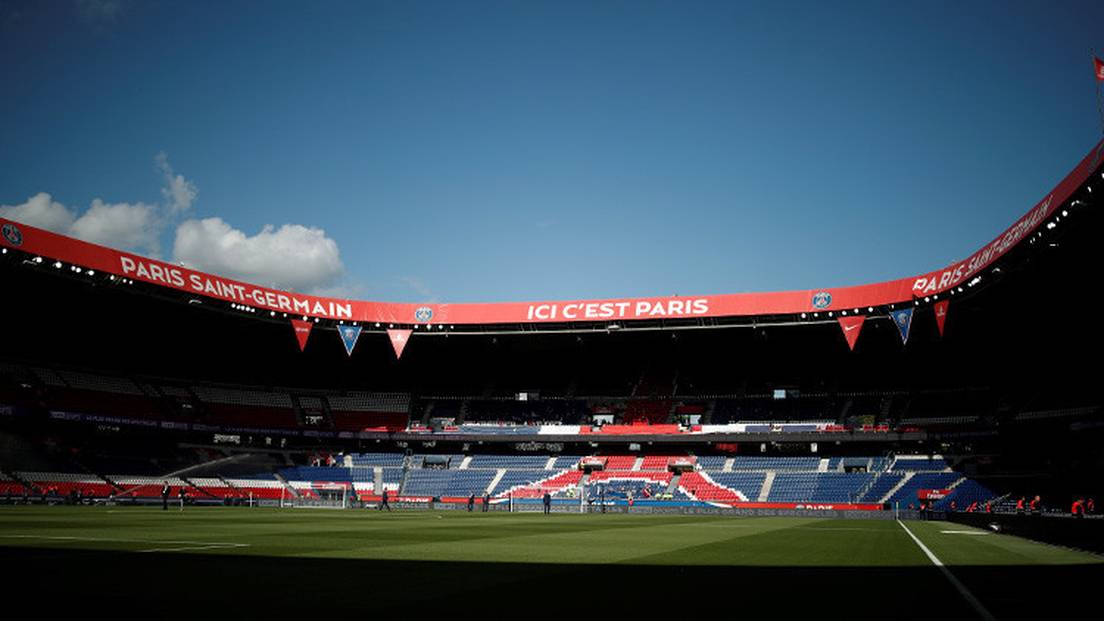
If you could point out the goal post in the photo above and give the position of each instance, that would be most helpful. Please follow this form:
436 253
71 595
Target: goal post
530 499
320 496
335 495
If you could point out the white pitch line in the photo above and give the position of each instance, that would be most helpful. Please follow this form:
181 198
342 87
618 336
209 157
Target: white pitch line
969 597
186 545
214 546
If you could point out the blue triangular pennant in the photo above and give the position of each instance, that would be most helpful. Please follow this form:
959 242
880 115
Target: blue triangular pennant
903 320
349 336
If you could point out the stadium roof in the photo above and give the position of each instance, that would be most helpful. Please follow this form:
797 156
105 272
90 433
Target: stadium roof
60 250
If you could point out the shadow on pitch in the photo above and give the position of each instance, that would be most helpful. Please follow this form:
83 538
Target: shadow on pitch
251 585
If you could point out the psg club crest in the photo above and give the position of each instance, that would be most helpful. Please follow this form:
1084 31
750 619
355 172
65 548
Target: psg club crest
349 336
423 314
822 300
903 319
13 235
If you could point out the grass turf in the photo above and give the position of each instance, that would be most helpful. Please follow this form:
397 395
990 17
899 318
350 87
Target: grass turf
284 560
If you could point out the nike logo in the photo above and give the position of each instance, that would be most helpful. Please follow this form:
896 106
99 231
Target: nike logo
850 328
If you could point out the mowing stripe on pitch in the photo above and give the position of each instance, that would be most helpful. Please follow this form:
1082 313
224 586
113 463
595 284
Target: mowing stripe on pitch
978 607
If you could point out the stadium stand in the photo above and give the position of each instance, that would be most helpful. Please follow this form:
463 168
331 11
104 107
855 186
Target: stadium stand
557 484
377 459
508 461
819 487
713 479
718 487
65 483
447 483
907 493
967 492
780 464
913 463
880 486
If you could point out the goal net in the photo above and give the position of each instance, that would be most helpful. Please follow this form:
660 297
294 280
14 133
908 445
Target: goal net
319 496
531 499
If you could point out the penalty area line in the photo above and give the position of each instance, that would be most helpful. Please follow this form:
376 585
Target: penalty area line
961 588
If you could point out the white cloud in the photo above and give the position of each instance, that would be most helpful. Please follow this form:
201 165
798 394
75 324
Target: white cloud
119 225
127 226
135 226
41 211
291 257
179 193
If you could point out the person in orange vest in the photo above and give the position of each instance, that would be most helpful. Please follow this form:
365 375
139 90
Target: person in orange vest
1020 505
988 507
1090 506
1035 502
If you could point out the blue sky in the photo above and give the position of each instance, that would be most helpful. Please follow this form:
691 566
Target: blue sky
472 151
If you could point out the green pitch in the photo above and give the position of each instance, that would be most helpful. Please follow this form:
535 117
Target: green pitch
285 560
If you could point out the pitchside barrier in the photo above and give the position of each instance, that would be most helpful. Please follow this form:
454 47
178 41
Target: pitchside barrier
596 505
572 506
1086 533
563 506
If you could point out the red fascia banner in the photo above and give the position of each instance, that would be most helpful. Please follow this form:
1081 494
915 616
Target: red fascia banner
941 307
104 260
851 327
127 265
958 273
932 494
302 332
399 339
